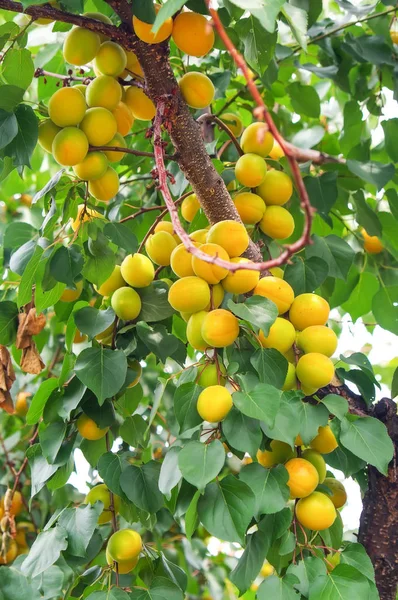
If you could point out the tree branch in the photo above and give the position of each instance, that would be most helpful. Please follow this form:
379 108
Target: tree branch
209 118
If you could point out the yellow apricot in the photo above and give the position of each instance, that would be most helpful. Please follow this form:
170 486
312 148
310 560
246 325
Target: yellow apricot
70 146
70 295
303 477
105 337
11 552
317 338
267 570
316 511
82 88
79 337
216 295
47 132
193 34
277 272
181 261
372 244
122 567
315 370
194 330
124 118
111 59
208 271
144 30
113 283
280 452
21 405
106 187
126 303
117 141
257 139
99 125
276 151
214 403
200 235
133 67
339 497
307 310
99 17
231 235
167 226
209 374
277 290
92 167
233 122
100 493
159 247
281 336
189 294
189 207
104 91
325 442
290 356
140 105
242 281
277 223
137 270
196 89
220 328
88 429
89 213
251 207
134 367
250 170
316 459
290 382
23 527
125 544
276 188
67 107
80 46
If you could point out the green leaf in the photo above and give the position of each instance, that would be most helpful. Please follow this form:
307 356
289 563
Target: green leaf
21 147
298 21
311 418
158 340
355 555
110 467
336 405
305 276
271 366
311 136
102 370
40 470
241 432
39 400
144 11
51 439
269 487
394 384
49 186
307 571
335 252
322 191
376 173
98 268
278 588
168 10
115 594
10 97
200 463
262 403
226 509
18 67
287 424
45 551
13 585
365 215
385 308
390 128
8 127
120 234
259 45
170 474
28 278
191 516
154 303
360 360
345 461
80 524
161 589
141 486
91 321
257 310
360 300
185 401
66 263
367 438
342 583
266 11
17 234
305 100
133 431
8 322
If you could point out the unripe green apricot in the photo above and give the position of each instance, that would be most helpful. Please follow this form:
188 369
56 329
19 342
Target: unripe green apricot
101 493
111 59
67 107
126 303
159 247
47 132
194 330
290 382
208 374
99 125
257 139
80 46
93 166
104 91
339 497
106 187
316 459
70 146
250 170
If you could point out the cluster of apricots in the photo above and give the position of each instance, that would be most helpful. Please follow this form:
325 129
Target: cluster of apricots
13 540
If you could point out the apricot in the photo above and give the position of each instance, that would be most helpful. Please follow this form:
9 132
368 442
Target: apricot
200 236
113 283
26 200
316 459
282 336
159 247
214 403
117 141
88 428
189 294
233 122
125 544
135 367
122 567
220 328
80 46
23 527
47 132
93 166
250 170
251 207
280 452
106 187
124 118
276 151
167 226
242 281
79 337
101 493
210 272
290 382
231 235
137 270
99 125
89 213
140 105
126 303
277 272
303 477
332 560
276 188
216 295
339 497
99 17
267 570
82 88
193 34
256 139
67 107
372 244
316 511
209 374
325 442
194 330
70 295
144 30
315 370
197 89
133 67
277 290
105 92
277 223
111 59
181 261
70 147
11 552
21 404
105 337
317 338
307 310
189 208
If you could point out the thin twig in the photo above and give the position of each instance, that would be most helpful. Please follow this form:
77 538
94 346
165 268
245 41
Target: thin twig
212 118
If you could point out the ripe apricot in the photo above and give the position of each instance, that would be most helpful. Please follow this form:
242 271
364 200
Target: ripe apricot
220 328
277 223
79 337
117 141
134 367
315 370
189 207
280 452
181 261
113 283
303 477
316 511
277 290
70 295
11 552
250 170
80 46
372 244
231 235
307 310
100 493
88 428
242 281
194 330
209 374
277 272
67 107
122 567
105 337
394 36
317 338
256 139
159 247
144 30
92 167
124 118
111 59
251 207
193 34
290 382
281 336
99 125
140 105
210 272
216 295
276 151
339 497
23 527
325 442
137 270
104 91
126 303
106 187
316 459
267 570
70 146
214 403
21 404
196 89
133 67
125 544
276 188
47 132
89 213
189 294
200 235
233 122
16 504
